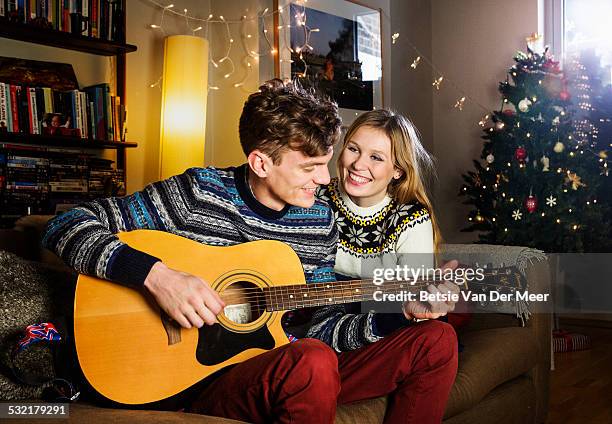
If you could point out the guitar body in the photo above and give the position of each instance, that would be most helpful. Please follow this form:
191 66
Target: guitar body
132 354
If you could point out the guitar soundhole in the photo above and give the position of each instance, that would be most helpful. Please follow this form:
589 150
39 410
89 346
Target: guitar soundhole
244 302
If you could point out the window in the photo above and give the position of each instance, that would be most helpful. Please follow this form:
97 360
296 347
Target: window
587 27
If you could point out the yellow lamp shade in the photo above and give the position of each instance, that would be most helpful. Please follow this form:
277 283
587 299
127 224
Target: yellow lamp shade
183 112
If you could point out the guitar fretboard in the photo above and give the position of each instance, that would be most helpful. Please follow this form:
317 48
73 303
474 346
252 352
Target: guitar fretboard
282 298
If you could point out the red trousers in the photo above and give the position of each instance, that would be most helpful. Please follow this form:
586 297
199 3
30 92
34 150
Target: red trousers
302 382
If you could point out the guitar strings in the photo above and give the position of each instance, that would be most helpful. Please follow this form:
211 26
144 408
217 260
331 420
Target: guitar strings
279 298
235 296
416 283
261 304
275 291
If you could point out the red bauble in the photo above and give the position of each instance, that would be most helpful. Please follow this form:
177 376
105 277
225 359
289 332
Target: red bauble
531 203
564 95
552 66
508 112
520 154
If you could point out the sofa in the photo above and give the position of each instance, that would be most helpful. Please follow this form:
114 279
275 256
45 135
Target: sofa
504 366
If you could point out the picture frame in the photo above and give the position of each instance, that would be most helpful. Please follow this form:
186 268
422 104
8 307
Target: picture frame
335 47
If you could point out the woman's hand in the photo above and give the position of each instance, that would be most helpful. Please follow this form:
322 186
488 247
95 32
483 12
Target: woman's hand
435 308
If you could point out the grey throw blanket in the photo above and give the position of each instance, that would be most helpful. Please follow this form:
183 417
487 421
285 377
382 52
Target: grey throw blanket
494 256
29 293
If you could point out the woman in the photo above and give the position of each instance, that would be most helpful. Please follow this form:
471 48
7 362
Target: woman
382 210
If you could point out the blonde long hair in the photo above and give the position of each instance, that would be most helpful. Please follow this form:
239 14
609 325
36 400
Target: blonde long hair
409 156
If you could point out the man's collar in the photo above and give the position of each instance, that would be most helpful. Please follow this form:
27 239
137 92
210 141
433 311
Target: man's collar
242 185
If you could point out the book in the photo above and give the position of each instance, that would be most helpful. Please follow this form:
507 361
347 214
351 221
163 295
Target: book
84 116
14 108
48 99
33 110
100 95
4 113
9 107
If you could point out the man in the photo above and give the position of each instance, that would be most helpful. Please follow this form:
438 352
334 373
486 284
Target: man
287 135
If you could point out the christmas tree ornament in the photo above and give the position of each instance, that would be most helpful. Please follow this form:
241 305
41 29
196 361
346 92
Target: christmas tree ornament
545 164
531 203
558 148
551 66
490 158
534 42
524 105
603 154
483 121
499 125
575 180
551 201
508 112
517 215
564 95
436 83
520 154
460 103
556 121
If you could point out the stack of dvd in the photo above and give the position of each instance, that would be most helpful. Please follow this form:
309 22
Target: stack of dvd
62 179
24 184
104 181
67 182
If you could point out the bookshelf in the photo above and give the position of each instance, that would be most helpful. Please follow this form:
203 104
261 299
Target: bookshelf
64 40
49 148
22 141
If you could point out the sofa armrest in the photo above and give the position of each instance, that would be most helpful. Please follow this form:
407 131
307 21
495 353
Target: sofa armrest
538 327
532 263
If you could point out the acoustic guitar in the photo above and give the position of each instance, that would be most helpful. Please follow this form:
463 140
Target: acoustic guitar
132 353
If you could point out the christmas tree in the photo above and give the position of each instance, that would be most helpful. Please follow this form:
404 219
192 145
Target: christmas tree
537 184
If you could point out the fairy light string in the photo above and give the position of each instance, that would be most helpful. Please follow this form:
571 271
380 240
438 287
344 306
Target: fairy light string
226 66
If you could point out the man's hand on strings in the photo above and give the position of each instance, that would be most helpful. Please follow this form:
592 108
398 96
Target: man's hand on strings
187 299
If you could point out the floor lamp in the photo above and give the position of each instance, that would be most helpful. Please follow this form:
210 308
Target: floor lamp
183 111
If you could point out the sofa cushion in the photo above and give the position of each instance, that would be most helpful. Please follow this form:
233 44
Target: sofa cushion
490 358
512 402
369 411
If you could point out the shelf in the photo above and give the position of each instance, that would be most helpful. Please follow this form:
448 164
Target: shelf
60 141
64 40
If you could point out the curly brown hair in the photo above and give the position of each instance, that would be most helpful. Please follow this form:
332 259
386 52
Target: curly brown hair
284 115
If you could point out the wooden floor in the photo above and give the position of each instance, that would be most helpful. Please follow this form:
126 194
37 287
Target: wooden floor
581 384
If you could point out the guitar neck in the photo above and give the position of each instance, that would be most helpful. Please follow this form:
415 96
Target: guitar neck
283 298
291 297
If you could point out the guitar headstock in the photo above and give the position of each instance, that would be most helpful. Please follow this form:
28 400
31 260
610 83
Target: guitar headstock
498 286
505 278
487 277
